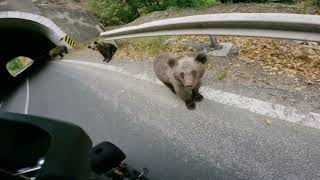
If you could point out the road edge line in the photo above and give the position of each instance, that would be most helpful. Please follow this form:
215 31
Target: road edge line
277 111
26 107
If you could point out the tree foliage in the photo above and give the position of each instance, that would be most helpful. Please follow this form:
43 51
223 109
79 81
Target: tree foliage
316 3
115 12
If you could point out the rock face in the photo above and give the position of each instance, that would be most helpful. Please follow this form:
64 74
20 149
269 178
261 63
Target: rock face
18 5
69 4
31 5
3 2
69 15
3 5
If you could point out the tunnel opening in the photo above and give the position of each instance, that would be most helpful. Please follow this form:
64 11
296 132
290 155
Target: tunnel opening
21 37
23 42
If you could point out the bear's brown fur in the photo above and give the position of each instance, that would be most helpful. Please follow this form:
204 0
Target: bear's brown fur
107 50
182 75
58 51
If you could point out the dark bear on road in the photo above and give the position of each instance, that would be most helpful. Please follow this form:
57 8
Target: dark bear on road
182 75
58 51
107 50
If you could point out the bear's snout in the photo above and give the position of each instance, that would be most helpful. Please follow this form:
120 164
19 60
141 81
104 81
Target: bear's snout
189 86
188 82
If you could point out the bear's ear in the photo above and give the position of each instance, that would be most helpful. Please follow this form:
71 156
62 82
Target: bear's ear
201 57
95 42
172 62
89 47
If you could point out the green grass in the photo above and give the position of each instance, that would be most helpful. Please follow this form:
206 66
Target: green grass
156 45
151 46
115 12
222 75
210 3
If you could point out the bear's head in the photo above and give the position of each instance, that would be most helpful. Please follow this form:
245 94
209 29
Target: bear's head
93 46
103 46
188 71
63 48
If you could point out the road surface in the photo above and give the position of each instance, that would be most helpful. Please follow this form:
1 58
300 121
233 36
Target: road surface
156 131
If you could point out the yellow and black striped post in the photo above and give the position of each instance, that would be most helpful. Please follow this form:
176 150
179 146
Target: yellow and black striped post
70 41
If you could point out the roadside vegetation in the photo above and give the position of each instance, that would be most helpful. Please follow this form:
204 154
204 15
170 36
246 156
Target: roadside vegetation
290 59
117 12
277 57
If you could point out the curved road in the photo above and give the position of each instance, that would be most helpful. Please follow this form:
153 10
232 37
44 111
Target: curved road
156 131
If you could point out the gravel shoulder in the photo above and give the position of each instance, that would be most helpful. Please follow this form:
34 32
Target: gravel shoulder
280 71
243 78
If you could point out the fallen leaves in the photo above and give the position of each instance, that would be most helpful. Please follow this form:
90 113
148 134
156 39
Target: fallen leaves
281 56
277 57
268 121
208 66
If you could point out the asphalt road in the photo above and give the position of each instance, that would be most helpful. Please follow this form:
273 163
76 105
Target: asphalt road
156 131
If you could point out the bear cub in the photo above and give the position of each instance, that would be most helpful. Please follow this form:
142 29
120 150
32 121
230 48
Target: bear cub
182 75
58 51
107 50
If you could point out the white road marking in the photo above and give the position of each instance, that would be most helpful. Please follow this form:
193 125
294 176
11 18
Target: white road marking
262 107
277 111
26 107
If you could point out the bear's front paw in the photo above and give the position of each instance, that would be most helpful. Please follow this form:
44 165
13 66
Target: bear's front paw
191 105
198 98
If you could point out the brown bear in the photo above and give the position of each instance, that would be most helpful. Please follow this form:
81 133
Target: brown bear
182 75
107 50
58 51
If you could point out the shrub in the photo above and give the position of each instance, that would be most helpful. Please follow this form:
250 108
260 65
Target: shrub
115 12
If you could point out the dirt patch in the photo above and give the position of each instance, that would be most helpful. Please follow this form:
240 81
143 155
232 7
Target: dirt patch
293 58
296 59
